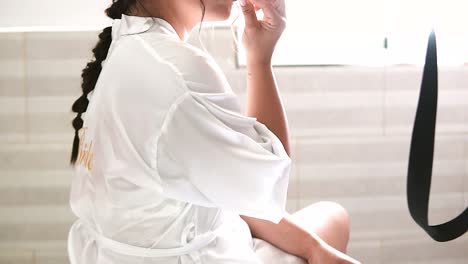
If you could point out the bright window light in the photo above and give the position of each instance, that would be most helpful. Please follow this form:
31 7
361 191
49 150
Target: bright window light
369 32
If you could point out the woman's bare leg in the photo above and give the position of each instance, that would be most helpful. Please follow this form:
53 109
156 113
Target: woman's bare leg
329 220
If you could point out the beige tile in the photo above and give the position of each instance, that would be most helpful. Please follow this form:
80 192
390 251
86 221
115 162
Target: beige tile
344 121
291 205
400 109
13 128
405 78
451 202
60 45
35 156
373 179
444 260
65 138
43 245
365 251
293 176
13 138
12 105
414 251
12 69
30 214
30 178
330 150
54 85
378 215
50 104
12 86
11 46
51 122
332 100
462 78
328 79
54 68
51 257
34 231
34 196
16 256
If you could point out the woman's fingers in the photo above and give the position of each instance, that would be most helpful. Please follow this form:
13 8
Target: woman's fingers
249 13
271 8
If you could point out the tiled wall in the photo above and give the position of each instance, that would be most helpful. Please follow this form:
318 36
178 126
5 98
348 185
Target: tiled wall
350 130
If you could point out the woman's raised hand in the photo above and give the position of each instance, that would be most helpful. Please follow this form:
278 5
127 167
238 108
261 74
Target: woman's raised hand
260 36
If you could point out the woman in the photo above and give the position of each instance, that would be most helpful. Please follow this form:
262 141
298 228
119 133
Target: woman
167 168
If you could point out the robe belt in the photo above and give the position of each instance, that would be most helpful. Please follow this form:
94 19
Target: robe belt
97 239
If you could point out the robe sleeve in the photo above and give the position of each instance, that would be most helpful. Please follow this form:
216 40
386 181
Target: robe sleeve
212 156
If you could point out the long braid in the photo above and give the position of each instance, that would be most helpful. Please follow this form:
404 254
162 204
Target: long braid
92 70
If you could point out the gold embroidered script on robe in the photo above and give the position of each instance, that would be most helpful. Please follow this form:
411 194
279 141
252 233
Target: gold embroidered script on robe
85 154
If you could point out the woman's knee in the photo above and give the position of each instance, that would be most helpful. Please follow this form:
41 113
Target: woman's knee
339 217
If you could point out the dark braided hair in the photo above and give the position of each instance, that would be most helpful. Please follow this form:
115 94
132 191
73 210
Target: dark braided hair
92 70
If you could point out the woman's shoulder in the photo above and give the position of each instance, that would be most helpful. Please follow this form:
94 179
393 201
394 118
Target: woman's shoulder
196 67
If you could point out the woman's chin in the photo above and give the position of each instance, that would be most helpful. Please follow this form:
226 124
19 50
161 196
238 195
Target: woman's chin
221 14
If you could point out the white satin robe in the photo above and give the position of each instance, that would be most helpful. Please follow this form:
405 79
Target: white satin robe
167 162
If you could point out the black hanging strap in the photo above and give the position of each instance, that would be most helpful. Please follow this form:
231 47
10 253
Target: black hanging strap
422 156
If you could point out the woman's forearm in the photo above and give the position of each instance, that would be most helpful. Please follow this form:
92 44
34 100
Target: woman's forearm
285 235
264 101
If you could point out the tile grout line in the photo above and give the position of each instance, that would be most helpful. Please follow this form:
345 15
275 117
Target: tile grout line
384 101
26 92
296 171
